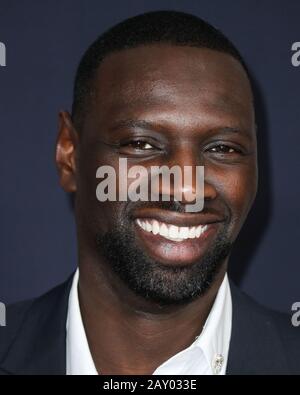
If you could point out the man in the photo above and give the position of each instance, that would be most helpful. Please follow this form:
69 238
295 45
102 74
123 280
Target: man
152 295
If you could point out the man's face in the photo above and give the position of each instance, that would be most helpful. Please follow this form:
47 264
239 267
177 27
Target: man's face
167 105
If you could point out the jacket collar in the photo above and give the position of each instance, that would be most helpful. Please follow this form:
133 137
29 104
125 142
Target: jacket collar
40 344
255 346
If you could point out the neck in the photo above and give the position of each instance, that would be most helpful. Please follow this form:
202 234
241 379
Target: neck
123 328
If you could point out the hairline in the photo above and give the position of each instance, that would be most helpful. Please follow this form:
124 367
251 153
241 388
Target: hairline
88 96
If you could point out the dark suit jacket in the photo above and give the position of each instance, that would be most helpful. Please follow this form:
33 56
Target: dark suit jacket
34 340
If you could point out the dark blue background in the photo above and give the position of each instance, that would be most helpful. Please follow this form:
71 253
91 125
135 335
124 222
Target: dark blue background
45 40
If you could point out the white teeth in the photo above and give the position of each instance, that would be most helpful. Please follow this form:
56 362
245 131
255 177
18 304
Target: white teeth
198 231
184 232
163 231
192 232
204 228
141 223
148 226
171 232
155 227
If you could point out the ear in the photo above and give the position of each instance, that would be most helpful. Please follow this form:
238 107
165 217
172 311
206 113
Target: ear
65 155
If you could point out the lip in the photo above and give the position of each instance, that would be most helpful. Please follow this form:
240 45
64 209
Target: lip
178 219
177 253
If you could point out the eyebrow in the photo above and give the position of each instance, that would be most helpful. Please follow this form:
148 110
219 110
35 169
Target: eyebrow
143 124
134 123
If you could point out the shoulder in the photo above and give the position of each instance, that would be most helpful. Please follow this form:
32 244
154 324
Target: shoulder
267 338
15 314
290 338
30 321
282 322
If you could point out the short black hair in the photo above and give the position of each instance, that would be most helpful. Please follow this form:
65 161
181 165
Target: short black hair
170 27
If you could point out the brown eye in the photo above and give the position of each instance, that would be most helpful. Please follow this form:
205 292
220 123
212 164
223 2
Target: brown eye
137 148
140 145
223 149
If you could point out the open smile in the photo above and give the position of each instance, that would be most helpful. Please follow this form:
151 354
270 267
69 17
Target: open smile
173 242
171 232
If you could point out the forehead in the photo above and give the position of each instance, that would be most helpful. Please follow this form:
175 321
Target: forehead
165 80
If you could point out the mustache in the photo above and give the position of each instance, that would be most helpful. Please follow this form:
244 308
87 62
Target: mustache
176 207
172 205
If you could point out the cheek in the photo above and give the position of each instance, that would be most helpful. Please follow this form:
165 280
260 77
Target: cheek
239 192
237 187
95 215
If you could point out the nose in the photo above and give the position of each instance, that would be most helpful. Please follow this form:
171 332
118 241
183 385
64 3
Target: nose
188 183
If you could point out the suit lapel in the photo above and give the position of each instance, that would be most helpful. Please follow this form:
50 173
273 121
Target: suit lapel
40 344
255 346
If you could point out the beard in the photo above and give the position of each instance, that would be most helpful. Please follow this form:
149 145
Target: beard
146 276
153 281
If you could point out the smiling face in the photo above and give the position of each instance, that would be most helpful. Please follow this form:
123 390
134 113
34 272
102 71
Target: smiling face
164 105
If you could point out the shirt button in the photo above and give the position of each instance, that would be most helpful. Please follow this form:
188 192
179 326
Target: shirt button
217 364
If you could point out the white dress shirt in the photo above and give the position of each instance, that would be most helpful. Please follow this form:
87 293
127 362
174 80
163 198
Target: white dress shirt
207 355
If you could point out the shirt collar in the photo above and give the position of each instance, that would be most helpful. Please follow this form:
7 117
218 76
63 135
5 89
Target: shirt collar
215 337
208 354
79 358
